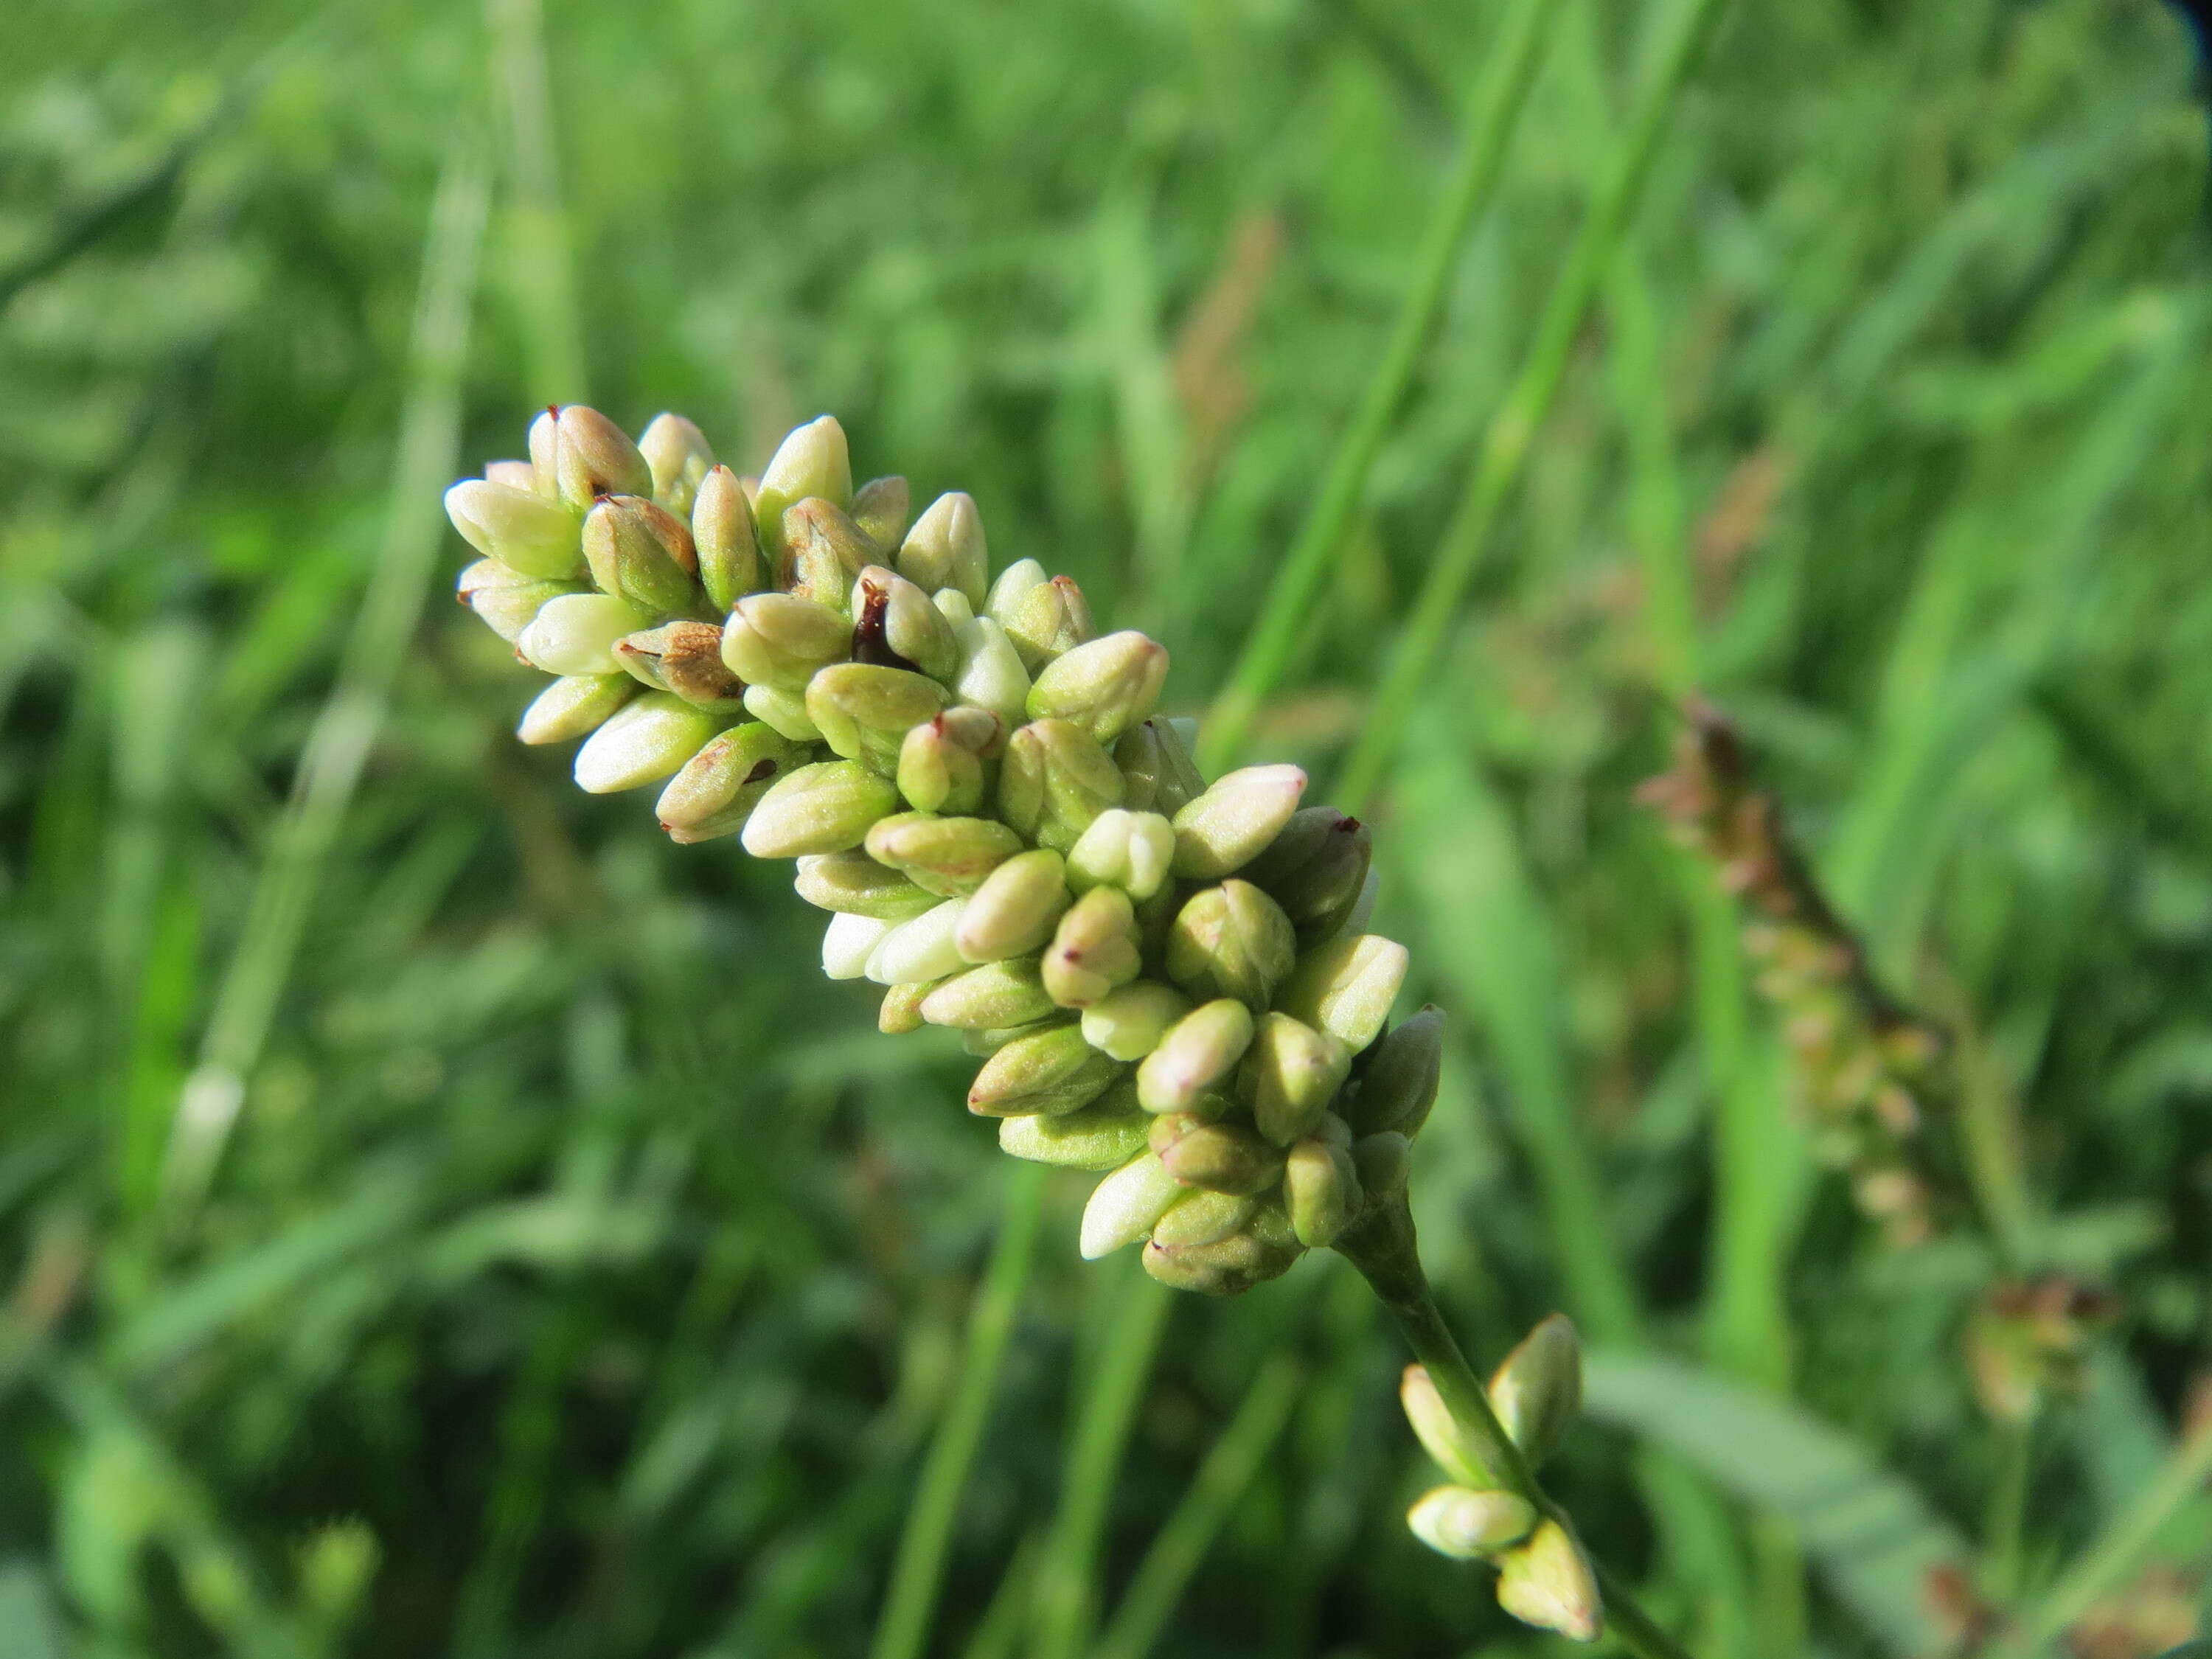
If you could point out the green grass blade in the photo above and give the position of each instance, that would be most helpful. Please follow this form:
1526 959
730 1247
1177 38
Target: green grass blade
542 272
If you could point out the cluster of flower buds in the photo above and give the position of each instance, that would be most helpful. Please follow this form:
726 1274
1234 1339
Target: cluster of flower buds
1867 1069
2028 1342
1164 980
1543 1578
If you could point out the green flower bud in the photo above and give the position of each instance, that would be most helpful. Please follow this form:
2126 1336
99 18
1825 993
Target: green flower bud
1094 949
1547 1582
823 551
981 1045
993 997
775 638
1469 1526
1345 987
847 943
1196 1057
590 456
1105 686
573 707
1161 775
1129 1024
1260 1250
952 605
641 743
919 950
895 623
1438 1430
784 711
1107 1133
527 533
946 549
1054 780
576 633
854 883
826 807
1315 869
684 657
1234 820
1124 849
644 553
718 787
940 764
1231 940
1043 621
1223 1158
504 598
515 475
863 712
811 460
880 508
1202 1217
722 532
1538 1391
677 455
1290 1077
948 856
1399 1085
1381 1161
901 1008
1045 1074
1016 909
989 673
1127 1205
1320 1189
545 453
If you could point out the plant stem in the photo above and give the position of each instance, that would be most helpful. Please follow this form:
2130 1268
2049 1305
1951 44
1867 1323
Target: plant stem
1383 1248
2007 1513
918 1570
1513 62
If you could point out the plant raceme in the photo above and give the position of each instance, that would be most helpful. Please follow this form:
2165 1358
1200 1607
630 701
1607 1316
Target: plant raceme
1166 980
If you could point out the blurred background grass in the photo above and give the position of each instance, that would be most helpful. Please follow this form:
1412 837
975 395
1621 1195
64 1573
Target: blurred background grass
571 1272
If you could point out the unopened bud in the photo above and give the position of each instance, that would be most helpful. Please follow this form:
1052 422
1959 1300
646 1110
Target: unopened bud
993 997
990 674
525 533
946 549
1468 1525
811 460
642 743
785 711
823 551
895 623
1196 1056
1048 1072
880 508
826 807
1236 820
1129 1023
644 553
684 657
1224 1157
940 762
722 532
1231 940
1439 1431
901 1012
775 638
1016 909
863 712
1399 1085
1261 1249
1094 949
1054 780
1124 849
515 475
1547 1582
1105 686
948 856
847 943
1127 1205
505 599
1315 869
576 634
573 707
854 883
1157 764
920 950
677 455
1100 1136
591 456
1044 619
1320 1189
1382 1162
1290 1077
1202 1217
1538 1391
718 787
1345 987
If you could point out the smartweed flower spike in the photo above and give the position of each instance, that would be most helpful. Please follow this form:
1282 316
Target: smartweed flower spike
1165 981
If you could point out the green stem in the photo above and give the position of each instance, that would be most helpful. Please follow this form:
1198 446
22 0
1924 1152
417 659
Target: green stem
2007 1515
1497 101
918 1570
1512 429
